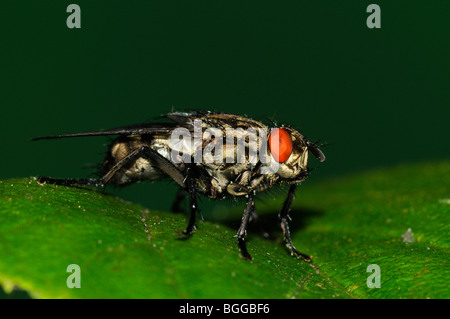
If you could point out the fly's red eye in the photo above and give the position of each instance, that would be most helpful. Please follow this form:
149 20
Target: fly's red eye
280 144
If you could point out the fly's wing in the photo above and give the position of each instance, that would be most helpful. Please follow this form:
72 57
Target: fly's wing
214 119
142 129
186 119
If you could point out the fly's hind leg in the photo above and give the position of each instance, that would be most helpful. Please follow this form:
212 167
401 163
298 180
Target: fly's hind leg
284 224
162 163
70 181
91 181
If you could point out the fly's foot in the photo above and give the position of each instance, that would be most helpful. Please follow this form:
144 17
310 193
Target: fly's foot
41 180
243 249
187 233
295 252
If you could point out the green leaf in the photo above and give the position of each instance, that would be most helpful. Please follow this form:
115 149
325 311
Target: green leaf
397 219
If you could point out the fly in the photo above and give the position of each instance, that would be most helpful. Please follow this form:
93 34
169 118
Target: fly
217 155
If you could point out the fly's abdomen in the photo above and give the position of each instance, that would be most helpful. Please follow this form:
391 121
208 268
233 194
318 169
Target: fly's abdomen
125 163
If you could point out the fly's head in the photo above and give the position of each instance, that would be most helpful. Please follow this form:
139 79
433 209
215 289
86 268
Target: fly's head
290 150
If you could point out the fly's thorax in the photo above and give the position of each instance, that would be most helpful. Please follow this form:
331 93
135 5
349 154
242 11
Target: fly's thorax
216 146
226 146
231 146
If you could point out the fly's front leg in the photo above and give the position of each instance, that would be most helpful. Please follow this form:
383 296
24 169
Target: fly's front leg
249 209
284 224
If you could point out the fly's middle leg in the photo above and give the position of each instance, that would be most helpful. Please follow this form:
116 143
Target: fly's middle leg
193 206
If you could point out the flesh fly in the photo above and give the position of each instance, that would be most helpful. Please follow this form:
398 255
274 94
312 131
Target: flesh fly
217 155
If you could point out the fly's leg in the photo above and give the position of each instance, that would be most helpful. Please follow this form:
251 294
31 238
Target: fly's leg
249 209
284 224
179 197
90 181
193 200
162 163
71 181
173 172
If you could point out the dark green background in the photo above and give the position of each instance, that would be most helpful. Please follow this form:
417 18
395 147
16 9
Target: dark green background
379 96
